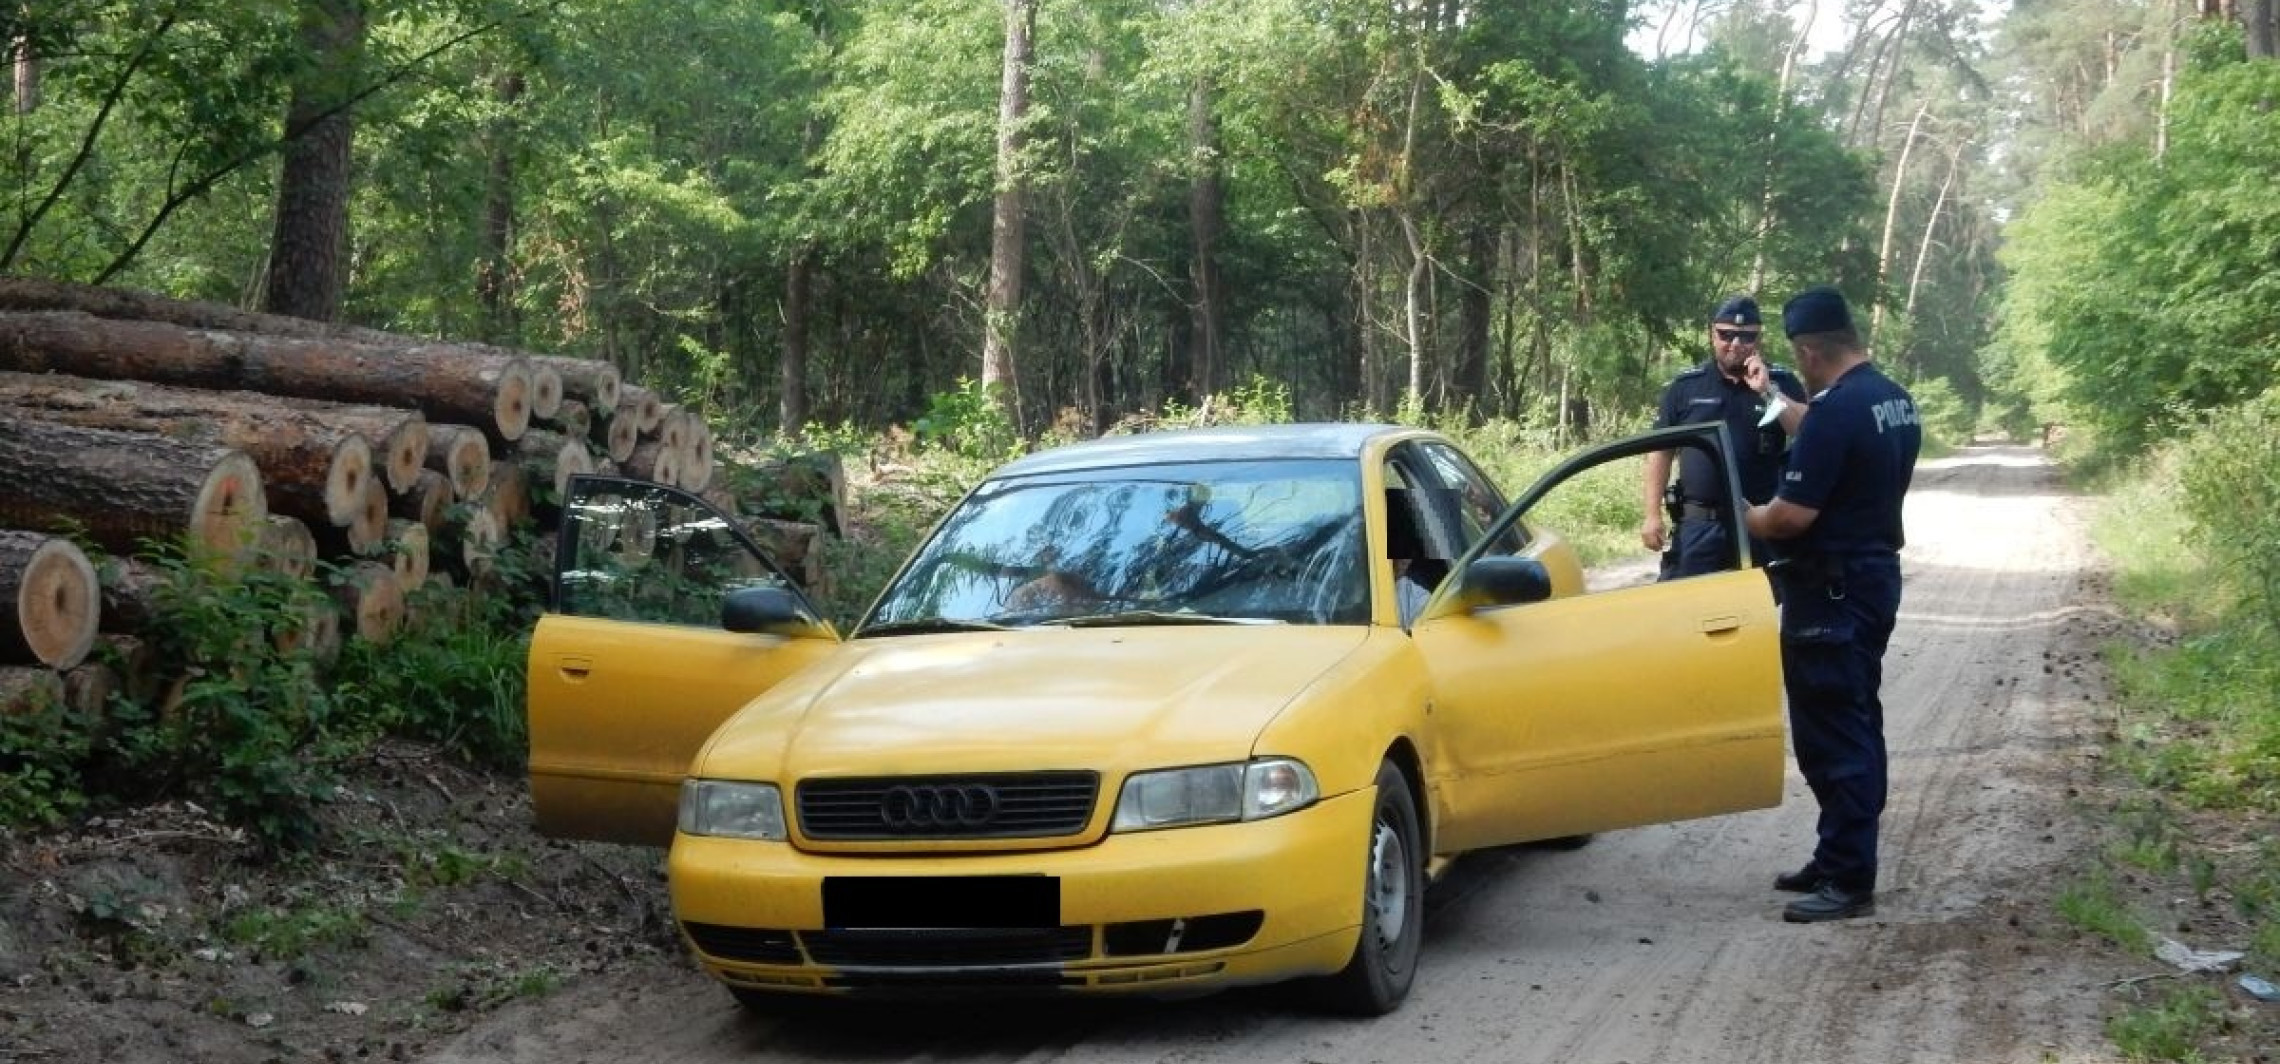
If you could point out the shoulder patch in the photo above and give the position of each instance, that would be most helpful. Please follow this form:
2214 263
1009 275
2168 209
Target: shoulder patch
1685 374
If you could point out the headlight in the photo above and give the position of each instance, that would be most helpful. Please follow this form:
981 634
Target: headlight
732 810
1214 794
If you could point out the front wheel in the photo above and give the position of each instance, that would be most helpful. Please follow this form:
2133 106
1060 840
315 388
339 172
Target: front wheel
1384 963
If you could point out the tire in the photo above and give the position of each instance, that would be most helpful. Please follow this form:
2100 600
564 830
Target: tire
1377 977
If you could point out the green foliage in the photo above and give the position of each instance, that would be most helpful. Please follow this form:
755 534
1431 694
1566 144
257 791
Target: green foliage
289 933
2230 476
456 677
250 727
2092 905
42 747
1947 419
969 421
2171 1028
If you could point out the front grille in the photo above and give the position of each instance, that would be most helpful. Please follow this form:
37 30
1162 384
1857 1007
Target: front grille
754 945
1026 805
948 947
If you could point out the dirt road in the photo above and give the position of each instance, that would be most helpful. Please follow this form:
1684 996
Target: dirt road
1658 944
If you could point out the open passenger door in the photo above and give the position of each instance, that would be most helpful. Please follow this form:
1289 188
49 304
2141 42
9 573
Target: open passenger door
1567 709
634 668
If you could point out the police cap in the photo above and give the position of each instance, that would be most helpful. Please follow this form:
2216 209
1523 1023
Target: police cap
1736 310
1815 310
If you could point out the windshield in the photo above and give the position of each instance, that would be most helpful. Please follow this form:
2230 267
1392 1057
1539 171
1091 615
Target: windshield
1239 542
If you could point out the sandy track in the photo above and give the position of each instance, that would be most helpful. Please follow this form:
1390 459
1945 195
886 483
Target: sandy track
1657 944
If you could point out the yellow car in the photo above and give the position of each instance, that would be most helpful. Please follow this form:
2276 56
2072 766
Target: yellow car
1150 714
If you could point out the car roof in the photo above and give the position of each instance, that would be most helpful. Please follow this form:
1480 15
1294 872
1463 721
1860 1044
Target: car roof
1227 443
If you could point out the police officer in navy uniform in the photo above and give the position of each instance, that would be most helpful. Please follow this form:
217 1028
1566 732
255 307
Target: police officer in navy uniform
1718 389
1836 521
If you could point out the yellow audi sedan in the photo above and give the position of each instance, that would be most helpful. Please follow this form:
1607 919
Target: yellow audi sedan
1151 714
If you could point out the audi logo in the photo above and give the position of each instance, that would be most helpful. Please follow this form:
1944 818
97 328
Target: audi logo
944 806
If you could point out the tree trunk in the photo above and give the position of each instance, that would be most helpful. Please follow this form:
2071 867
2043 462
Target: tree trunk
1002 308
50 601
1773 145
792 371
1207 219
27 77
494 268
1892 220
120 488
309 469
2257 16
308 258
1474 310
445 382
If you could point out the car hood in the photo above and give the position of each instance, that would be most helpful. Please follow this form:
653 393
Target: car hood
1110 699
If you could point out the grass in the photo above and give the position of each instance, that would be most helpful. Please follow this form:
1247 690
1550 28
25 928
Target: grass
2196 730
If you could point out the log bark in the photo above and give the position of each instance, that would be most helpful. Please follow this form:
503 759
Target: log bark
121 488
443 381
87 689
800 487
50 601
309 468
588 380
133 660
430 496
461 454
573 418
29 294
373 599
508 497
131 594
652 460
643 406
795 546
26 689
286 547
552 459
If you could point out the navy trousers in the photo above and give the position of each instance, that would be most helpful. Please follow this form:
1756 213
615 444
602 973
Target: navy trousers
1835 624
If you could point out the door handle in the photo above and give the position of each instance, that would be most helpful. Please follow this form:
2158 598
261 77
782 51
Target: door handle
1715 625
574 666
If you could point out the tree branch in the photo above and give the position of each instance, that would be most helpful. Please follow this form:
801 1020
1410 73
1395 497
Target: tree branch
206 182
86 144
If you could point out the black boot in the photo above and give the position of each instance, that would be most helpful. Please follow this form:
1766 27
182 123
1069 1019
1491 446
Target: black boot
1830 902
1805 880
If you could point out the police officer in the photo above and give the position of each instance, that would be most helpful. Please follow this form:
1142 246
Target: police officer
1718 389
1837 519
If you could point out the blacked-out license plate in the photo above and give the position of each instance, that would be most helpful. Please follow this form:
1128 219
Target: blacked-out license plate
941 901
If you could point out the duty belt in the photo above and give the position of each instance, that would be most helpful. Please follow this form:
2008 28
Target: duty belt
1694 511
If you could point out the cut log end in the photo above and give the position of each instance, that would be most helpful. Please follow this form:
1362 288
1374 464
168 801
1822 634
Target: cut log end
226 518
403 453
58 603
286 547
511 403
545 392
408 553
374 599
623 436
344 481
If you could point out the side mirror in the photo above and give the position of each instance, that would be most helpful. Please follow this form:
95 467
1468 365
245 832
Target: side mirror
1504 582
768 611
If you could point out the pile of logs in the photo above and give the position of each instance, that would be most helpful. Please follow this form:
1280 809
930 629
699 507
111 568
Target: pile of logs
259 441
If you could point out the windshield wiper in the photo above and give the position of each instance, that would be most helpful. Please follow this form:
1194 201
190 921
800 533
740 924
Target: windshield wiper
922 626
1146 617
